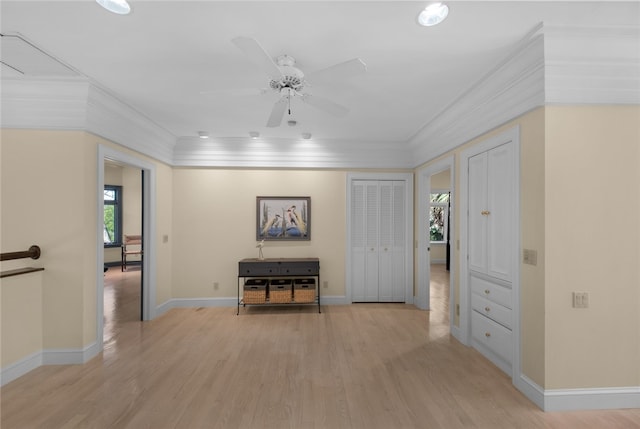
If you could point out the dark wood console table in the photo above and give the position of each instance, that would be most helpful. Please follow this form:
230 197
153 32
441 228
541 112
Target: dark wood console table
278 268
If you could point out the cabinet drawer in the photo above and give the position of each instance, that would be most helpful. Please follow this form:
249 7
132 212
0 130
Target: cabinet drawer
494 311
258 269
491 291
492 335
302 268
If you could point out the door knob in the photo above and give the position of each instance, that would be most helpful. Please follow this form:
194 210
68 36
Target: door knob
485 212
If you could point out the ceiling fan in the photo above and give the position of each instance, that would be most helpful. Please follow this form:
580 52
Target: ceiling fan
289 81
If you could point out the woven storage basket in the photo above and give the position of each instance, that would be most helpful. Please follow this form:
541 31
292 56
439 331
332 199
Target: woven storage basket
304 290
280 291
255 291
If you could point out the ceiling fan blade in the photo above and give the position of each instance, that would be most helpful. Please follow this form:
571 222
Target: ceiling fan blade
339 71
235 92
275 119
258 55
325 105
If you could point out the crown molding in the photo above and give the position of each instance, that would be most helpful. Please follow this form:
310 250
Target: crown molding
550 65
289 153
114 120
513 87
592 65
44 104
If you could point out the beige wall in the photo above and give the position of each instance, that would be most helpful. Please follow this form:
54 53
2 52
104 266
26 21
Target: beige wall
532 227
214 217
45 201
49 198
570 158
592 180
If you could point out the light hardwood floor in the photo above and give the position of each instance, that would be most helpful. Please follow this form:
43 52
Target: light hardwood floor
356 366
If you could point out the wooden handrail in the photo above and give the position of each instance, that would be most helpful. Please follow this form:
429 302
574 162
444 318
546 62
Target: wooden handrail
33 253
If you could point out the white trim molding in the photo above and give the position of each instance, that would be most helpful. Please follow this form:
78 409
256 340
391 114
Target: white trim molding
607 398
48 357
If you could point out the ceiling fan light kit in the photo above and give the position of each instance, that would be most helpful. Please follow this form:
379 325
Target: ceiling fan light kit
433 14
203 134
254 134
120 7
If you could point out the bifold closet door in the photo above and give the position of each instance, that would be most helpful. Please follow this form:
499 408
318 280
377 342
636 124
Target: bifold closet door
377 241
391 241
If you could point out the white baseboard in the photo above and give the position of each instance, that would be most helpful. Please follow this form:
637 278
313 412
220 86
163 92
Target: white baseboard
334 300
592 399
455 332
20 368
48 357
597 398
531 390
229 302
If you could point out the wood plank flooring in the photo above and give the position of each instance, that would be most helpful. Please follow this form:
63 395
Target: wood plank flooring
356 366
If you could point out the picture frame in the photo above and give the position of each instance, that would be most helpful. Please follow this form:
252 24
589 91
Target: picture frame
283 218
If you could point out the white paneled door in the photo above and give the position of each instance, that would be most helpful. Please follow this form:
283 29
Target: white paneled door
378 240
491 176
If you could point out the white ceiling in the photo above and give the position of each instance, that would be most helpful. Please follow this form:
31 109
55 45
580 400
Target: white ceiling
160 58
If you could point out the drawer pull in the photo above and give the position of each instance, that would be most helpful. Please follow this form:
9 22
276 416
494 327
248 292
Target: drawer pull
487 334
487 291
485 212
487 309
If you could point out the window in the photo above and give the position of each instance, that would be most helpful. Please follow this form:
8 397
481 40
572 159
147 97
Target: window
439 217
112 216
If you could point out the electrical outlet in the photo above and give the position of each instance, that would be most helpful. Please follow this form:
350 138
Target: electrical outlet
216 285
580 299
325 284
530 257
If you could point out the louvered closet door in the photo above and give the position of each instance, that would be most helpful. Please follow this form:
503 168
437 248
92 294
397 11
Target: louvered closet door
358 240
377 241
392 239
364 241
372 229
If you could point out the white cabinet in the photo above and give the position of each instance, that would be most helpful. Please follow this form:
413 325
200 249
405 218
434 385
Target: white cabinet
378 241
491 199
490 266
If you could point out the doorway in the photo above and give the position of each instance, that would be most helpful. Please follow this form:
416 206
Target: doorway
123 216
437 179
147 230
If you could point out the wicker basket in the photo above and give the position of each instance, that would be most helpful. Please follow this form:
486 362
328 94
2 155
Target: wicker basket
252 296
280 291
304 290
255 291
304 295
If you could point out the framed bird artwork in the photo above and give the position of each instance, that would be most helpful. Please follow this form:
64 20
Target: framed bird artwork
283 218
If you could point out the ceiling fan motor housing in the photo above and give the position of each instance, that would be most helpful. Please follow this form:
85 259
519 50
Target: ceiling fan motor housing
292 77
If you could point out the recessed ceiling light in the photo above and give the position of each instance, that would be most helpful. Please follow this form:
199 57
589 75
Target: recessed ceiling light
121 7
306 136
254 134
433 14
203 134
